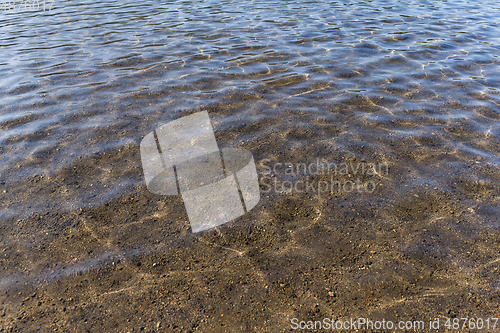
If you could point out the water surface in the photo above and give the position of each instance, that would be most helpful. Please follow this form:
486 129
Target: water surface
411 84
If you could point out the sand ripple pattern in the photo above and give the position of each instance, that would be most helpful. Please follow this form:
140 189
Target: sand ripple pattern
411 84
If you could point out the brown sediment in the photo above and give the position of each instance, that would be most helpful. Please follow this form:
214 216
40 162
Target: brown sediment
133 264
86 248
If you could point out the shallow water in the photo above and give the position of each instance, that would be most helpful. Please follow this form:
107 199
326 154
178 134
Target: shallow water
414 85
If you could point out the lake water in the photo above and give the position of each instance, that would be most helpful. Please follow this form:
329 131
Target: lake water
411 85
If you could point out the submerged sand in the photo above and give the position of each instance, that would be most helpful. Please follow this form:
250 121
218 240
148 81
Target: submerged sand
132 264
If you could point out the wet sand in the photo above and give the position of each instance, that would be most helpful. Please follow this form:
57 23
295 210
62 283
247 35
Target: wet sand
133 264
84 247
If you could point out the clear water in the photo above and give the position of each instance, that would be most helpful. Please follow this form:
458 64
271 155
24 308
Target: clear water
415 84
